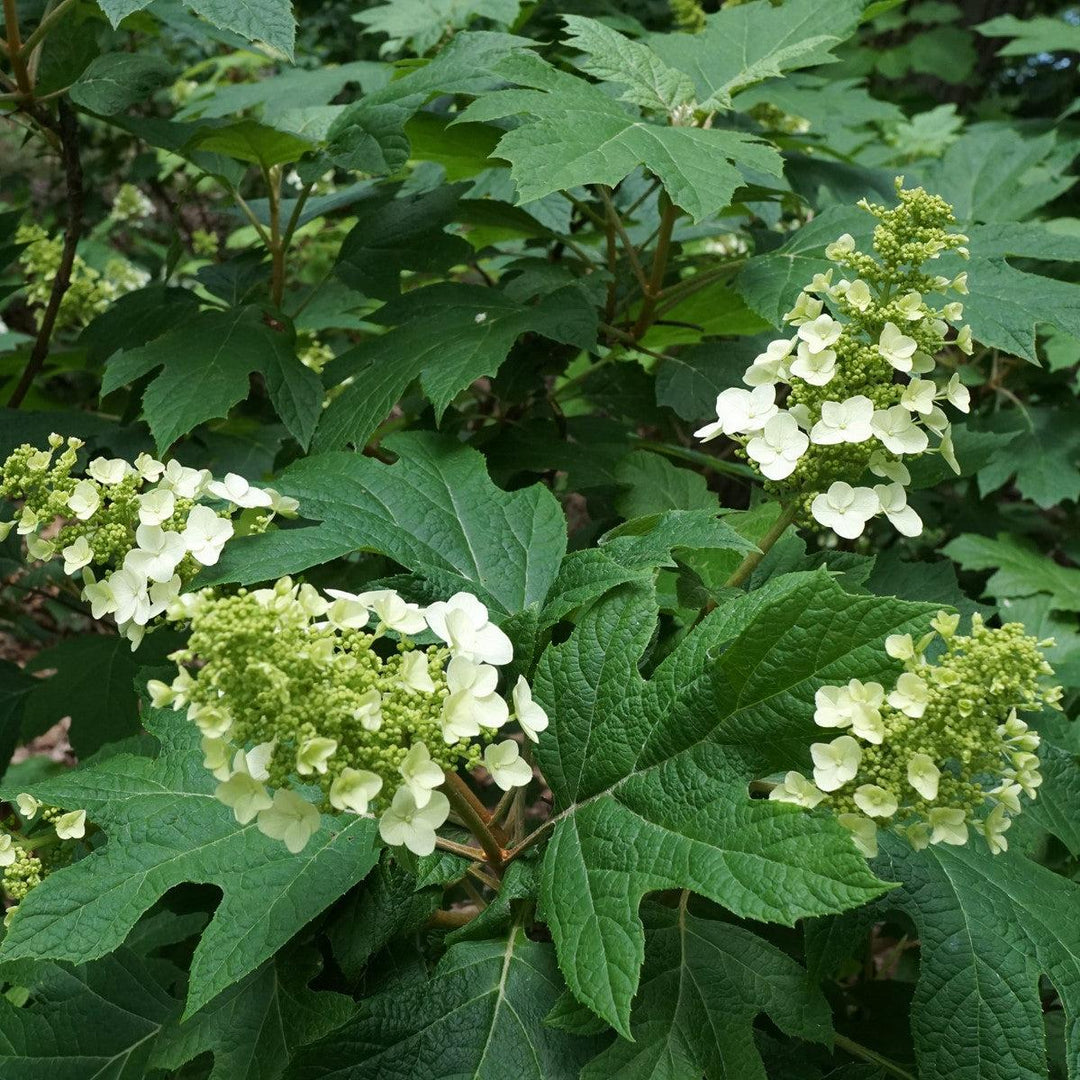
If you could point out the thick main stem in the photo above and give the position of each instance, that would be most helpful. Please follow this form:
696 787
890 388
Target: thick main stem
669 213
14 46
752 558
474 817
68 131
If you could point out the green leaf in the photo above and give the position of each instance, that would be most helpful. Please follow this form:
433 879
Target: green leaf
392 235
447 336
435 512
586 575
771 283
94 684
995 173
690 382
422 24
744 44
268 22
574 134
649 778
387 905
1006 304
248 140
648 542
254 1027
96 1020
1042 34
480 1015
611 57
1040 450
205 364
115 81
988 926
702 985
1019 569
652 484
85 910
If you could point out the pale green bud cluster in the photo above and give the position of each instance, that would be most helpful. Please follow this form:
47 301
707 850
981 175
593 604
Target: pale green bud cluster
135 533
688 15
204 243
291 691
130 204
314 353
90 292
944 751
860 397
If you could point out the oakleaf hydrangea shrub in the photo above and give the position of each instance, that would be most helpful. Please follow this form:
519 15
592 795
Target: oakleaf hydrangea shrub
560 561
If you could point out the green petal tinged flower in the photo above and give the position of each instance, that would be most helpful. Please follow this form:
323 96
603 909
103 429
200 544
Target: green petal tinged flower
405 823
290 819
72 825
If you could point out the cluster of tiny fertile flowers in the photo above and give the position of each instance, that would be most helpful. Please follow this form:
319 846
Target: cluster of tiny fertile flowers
135 533
837 408
41 845
310 702
944 751
130 204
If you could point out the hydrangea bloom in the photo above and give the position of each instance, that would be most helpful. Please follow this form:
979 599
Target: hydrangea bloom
299 699
138 533
944 752
856 375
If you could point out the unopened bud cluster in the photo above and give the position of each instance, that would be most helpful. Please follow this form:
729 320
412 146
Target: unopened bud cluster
136 533
294 690
941 753
860 396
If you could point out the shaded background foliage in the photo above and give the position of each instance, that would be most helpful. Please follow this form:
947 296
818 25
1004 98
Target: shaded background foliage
437 284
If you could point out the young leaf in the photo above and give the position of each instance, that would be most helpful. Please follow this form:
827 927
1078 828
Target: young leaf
649 778
480 1015
581 136
702 985
435 512
165 827
744 44
612 57
205 364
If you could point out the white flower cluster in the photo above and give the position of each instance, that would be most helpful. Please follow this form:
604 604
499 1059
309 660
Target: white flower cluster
855 396
294 672
944 743
147 524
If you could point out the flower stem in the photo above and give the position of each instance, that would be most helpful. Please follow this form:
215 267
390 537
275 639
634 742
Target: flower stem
857 1050
752 558
474 816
